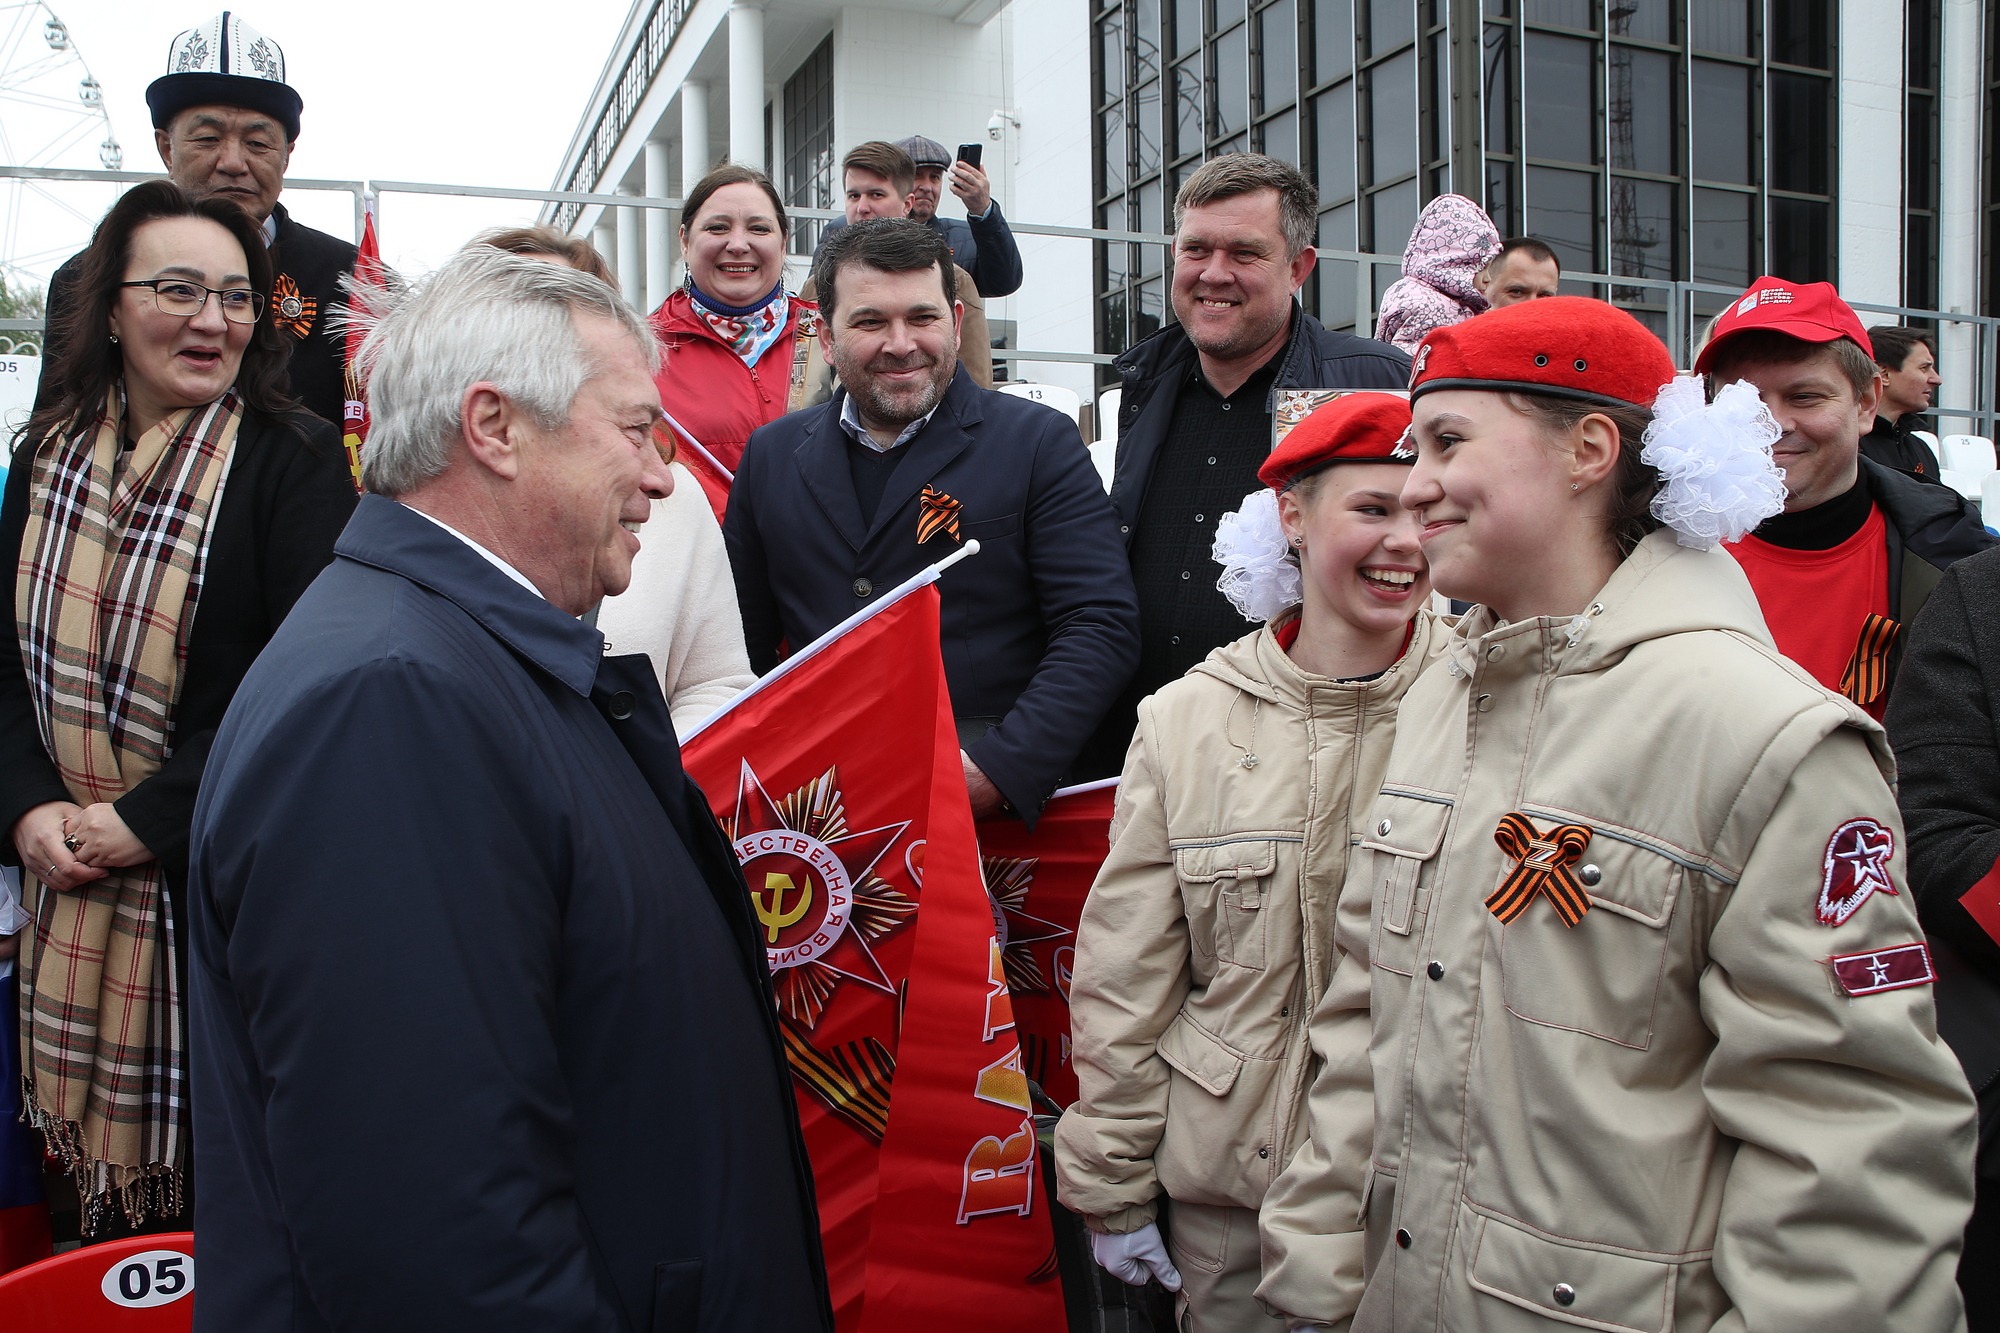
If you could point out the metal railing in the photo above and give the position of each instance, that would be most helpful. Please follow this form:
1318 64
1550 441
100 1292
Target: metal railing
1680 303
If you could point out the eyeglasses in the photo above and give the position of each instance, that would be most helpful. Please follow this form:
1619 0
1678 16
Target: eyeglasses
176 296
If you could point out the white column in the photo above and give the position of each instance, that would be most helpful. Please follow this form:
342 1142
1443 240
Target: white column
1958 206
1871 151
631 252
746 85
605 236
695 159
659 227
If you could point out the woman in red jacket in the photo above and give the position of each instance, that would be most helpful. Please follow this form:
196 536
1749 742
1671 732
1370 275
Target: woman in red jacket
737 343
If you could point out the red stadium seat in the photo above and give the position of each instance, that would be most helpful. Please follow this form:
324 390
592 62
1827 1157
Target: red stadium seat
141 1285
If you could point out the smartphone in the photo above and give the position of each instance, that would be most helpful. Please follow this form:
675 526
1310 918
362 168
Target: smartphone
969 152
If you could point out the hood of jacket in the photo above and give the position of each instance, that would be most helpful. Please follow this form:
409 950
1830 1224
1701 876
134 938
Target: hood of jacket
1662 588
1453 240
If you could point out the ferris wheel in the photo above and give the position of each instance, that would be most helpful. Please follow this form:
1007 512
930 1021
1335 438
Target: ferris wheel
51 115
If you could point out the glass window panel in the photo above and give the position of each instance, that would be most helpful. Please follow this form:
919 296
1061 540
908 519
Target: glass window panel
1336 227
1722 237
1278 43
1720 135
1281 137
1152 310
1146 129
1240 144
1392 117
1569 13
1562 210
1187 26
1499 9
1642 230
1333 142
1145 39
1640 112
1920 158
1117 263
1231 54
1798 32
1799 132
1920 37
1435 126
1336 276
1228 12
1393 217
1499 57
1333 40
1112 33
1111 130
1652 20
1500 197
1556 83
1188 137
1719 25
1148 198
1390 24
1798 241
1111 311
1920 264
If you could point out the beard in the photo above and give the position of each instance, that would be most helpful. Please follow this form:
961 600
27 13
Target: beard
880 405
1241 339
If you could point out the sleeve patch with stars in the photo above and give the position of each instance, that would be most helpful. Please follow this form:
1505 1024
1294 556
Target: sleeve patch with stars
1857 867
1885 969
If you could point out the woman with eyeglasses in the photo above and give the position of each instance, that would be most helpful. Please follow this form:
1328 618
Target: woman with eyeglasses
160 517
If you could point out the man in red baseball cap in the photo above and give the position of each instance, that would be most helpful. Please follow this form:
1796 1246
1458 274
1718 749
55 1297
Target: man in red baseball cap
1859 546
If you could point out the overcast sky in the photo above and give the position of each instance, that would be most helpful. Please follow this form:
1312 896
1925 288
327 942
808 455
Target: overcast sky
416 90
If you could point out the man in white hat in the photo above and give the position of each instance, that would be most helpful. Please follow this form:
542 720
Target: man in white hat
225 122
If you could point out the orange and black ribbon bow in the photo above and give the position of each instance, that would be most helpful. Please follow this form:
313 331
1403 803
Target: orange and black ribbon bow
1867 673
937 512
1544 860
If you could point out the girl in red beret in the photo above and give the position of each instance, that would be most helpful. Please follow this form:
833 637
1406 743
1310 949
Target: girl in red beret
1653 1044
1209 931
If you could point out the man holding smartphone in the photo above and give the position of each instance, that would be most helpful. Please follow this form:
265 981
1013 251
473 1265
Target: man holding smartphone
983 244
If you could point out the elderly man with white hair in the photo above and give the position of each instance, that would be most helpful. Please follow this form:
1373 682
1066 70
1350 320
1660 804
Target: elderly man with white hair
480 1034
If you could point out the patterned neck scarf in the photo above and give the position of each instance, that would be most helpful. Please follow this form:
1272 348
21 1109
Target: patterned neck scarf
749 330
109 573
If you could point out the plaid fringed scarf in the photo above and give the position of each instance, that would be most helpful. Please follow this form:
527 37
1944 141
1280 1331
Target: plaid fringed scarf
110 571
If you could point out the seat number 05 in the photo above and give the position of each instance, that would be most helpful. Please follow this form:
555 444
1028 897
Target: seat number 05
156 1277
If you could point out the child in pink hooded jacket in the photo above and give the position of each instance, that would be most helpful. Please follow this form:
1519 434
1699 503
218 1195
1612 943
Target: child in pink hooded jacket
1453 240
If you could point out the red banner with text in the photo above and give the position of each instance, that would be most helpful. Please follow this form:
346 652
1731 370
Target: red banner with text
1038 882
838 780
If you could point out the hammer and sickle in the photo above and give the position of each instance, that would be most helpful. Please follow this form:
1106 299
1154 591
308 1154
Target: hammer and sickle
773 915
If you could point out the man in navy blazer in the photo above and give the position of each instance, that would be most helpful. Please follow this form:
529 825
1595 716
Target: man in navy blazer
481 1029
839 503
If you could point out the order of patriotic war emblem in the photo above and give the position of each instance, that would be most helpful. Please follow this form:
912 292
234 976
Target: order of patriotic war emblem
819 905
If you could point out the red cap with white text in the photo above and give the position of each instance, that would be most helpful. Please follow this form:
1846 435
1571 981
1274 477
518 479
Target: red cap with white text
1809 311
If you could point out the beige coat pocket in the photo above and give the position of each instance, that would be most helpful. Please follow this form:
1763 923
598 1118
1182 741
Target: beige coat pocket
1602 976
1567 1283
1231 879
1210 1061
1402 839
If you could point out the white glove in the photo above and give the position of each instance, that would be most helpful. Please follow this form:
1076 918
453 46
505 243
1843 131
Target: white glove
1135 1257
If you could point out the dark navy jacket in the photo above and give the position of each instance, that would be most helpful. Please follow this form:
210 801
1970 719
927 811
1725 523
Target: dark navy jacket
1040 629
481 1035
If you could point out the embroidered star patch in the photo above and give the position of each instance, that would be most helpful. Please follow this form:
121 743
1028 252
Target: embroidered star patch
1856 866
1885 969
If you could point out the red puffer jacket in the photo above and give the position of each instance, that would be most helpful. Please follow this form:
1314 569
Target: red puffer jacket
717 399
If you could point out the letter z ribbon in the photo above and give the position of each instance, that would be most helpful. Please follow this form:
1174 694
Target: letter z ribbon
936 512
1544 867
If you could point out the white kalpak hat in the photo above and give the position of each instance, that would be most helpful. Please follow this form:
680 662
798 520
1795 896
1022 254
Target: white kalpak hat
225 62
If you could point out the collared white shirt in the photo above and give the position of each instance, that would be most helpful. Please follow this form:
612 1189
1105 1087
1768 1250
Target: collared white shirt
270 230
493 559
850 421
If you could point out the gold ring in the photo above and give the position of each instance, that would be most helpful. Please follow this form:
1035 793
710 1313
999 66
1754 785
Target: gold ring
74 843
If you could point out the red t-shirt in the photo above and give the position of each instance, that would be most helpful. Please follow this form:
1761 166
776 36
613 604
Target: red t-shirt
1816 601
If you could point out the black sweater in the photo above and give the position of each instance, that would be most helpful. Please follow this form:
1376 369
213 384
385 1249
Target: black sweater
285 500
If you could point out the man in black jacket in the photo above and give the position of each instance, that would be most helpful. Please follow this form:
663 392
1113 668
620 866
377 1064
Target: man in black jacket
1944 722
1859 546
225 122
1194 420
839 503
1909 377
983 244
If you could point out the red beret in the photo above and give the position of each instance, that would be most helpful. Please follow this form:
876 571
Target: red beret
1811 312
1560 347
1353 428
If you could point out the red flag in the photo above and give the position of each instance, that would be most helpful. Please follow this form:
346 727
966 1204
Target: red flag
1038 882
368 276
838 779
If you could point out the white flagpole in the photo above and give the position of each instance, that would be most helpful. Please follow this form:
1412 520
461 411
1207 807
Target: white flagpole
922 578
695 445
